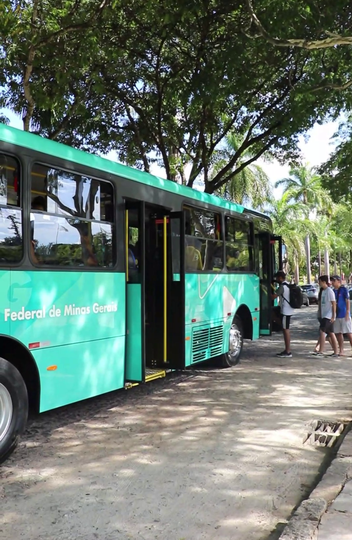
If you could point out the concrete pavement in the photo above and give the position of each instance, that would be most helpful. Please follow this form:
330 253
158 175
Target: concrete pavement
327 513
207 454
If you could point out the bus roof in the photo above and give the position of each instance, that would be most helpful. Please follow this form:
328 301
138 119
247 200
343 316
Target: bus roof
46 146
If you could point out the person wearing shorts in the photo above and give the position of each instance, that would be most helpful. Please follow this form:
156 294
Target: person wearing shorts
282 313
342 325
328 316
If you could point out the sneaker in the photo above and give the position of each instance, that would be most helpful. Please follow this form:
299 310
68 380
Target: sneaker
284 354
334 355
315 353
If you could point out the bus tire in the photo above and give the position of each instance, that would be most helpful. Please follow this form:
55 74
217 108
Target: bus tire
232 357
13 408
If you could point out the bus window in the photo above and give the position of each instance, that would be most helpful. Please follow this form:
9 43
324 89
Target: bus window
239 245
134 259
11 246
203 238
68 193
76 228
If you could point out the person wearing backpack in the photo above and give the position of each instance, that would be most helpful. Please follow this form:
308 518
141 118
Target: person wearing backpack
282 313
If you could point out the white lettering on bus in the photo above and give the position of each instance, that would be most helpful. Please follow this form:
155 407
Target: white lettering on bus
23 314
106 308
71 309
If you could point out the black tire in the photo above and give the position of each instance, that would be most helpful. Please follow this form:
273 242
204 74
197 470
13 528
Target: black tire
13 408
232 357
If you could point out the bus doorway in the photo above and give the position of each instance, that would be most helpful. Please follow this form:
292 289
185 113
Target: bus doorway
165 295
270 261
154 291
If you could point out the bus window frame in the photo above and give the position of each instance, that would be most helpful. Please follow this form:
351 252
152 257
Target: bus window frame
21 168
56 163
247 219
215 210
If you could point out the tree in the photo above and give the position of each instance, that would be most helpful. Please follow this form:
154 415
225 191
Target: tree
304 185
288 221
43 43
323 25
160 80
251 187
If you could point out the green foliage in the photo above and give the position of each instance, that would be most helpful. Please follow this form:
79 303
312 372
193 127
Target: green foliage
307 210
251 187
166 82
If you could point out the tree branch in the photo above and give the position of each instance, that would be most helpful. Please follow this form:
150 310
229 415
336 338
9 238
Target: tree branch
324 43
27 75
330 86
139 139
237 171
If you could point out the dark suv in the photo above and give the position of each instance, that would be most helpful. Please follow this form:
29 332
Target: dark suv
312 292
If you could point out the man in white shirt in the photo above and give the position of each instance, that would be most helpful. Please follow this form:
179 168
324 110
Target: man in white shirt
328 316
282 313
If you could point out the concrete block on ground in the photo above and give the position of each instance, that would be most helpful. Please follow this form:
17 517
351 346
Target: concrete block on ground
346 446
335 526
333 480
304 522
343 503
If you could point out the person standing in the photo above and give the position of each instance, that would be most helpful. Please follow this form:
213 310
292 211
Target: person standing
328 316
282 313
342 325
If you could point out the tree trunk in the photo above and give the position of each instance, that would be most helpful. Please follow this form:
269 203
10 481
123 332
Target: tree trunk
326 263
309 273
319 262
296 272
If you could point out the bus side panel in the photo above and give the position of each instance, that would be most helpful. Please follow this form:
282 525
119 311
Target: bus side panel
6 297
74 325
51 309
212 300
84 370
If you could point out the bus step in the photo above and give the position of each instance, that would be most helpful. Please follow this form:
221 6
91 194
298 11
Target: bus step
151 374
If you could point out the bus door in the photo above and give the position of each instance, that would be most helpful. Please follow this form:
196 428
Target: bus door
270 261
278 253
165 290
135 281
265 280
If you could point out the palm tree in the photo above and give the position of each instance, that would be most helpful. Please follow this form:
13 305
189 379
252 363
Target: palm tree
251 187
289 222
304 185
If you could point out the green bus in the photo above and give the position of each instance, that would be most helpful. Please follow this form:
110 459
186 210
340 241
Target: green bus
111 276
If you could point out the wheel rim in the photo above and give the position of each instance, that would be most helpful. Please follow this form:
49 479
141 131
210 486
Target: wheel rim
235 341
6 411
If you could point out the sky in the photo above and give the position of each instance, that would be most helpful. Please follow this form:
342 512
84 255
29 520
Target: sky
315 149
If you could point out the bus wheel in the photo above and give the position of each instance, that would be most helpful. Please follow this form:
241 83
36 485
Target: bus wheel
13 408
232 357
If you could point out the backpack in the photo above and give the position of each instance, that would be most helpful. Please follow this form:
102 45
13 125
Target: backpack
296 295
337 296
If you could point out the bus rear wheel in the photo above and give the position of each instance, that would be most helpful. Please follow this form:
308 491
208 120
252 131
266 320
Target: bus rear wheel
232 357
13 408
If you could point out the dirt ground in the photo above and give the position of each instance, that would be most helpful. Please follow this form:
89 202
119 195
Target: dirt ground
202 455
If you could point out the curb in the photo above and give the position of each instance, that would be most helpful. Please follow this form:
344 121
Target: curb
304 522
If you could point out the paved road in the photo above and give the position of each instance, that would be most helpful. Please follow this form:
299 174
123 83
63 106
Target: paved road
205 455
